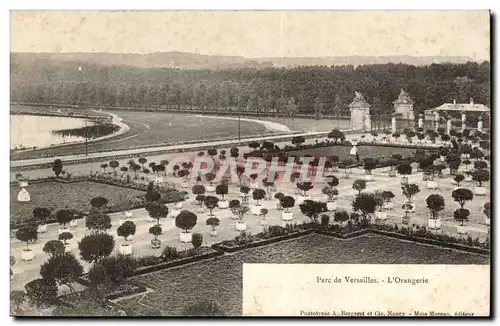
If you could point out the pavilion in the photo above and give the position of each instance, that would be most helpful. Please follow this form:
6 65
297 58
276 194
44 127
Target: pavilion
449 110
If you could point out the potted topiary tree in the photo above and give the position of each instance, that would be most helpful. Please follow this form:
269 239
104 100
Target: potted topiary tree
409 191
480 176
461 215
404 169
369 166
387 197
487 213
222 191
408 208
155 230
359 185
210 176
287 202
458 178
263 213
211 202
157 211
312 209
462 196
332 194
278 197
198 190
64 217
234 205
244 190
240 212
380 213
304 188
186 221
213 222
27 234
258 195
126 230
435 203
41 214
253 181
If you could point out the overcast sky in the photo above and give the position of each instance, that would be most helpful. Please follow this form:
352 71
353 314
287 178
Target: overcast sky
257 33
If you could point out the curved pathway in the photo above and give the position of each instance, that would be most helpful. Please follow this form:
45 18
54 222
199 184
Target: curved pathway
269 125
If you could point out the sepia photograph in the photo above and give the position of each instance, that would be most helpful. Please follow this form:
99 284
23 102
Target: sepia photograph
190 163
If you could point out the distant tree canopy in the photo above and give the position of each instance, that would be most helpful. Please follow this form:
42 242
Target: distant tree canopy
303 90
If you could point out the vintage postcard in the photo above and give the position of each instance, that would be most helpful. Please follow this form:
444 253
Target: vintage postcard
250 163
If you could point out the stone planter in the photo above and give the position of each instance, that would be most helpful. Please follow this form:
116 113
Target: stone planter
255 210
461 229
62 230
432 184
381 215
42 228
73 223
241 226
185 237
404 180
392 174
405 220
369 177
468 178
128 214
223 204
67 248
287 216
331 205
434 224
210 188
155 244
480 191
125 249
213 233
27 255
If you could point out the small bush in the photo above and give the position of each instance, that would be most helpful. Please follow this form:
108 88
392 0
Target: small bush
169 253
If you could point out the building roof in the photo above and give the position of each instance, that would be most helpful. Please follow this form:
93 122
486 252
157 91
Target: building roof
469 107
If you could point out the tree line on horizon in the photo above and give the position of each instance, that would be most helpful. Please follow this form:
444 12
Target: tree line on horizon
310 90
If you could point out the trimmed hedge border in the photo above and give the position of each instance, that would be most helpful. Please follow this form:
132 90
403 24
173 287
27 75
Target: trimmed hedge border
136 290
438 243
176 262
227 249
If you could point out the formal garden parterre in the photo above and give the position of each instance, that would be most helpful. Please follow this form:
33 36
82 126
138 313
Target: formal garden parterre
438 194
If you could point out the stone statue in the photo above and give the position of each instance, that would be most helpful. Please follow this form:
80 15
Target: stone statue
404 97
359 97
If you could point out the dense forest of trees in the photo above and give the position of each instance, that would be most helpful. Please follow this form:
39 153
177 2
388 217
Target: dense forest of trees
305 90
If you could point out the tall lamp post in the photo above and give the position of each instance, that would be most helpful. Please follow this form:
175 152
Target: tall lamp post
85 128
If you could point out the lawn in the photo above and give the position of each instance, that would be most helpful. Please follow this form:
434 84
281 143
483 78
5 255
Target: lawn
342 152
58 195
220 279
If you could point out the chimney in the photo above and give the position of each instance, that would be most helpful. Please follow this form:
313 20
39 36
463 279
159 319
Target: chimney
471 101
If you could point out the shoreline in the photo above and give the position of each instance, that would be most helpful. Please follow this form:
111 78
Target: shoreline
269 125
115 120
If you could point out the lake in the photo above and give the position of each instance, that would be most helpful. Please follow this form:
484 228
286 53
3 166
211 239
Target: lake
27 131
